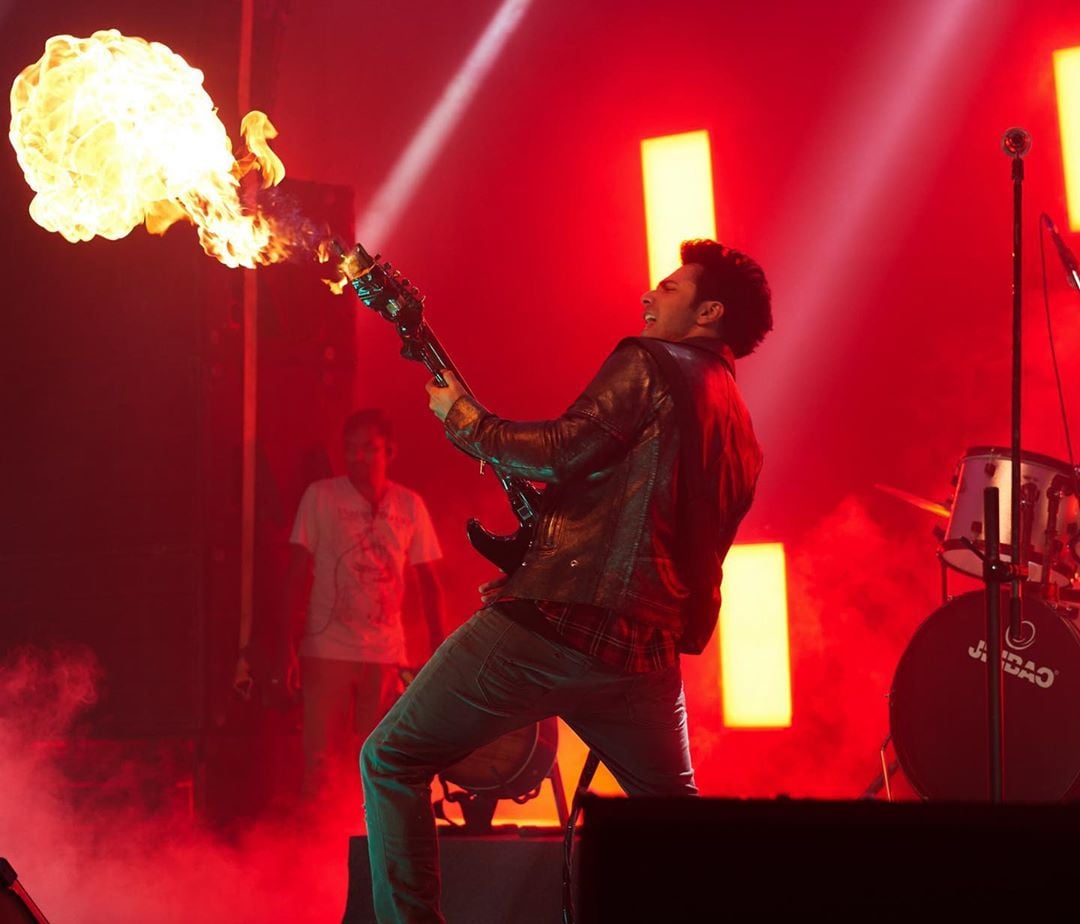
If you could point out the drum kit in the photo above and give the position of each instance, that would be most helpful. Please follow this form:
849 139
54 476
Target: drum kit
938 700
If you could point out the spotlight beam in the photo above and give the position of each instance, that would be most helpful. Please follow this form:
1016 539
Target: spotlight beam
911 82
391 199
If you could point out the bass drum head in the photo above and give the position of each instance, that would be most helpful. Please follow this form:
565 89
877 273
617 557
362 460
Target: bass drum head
511 765
938 704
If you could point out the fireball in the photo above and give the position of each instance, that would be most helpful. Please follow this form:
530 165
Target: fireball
113 131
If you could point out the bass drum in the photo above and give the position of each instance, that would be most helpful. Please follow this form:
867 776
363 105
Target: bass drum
938 704
511 766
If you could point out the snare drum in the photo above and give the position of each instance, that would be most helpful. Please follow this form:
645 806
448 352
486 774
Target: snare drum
1046 482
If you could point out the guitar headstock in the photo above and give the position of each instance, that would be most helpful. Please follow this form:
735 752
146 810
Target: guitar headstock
382 288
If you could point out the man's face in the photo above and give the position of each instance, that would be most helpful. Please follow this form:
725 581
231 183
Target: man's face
671 309
367 455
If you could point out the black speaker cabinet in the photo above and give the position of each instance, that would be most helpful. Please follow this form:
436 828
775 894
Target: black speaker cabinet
716 859
498 879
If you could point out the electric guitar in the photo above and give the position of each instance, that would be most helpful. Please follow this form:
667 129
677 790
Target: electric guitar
382 289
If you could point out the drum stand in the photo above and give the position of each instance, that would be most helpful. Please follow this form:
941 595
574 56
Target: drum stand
478 808
881 781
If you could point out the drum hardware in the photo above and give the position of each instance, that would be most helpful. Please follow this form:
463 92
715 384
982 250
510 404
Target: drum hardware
887 769
1051 511
1050 538
1066 601
928 713
1048 509
882 780
1059 488
513 766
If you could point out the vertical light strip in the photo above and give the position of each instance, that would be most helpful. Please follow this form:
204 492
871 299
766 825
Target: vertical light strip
677 170
1067 81
755 665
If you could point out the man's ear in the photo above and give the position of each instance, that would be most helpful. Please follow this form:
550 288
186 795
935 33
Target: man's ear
710 312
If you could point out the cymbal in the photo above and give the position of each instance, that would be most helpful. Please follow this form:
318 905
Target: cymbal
921 502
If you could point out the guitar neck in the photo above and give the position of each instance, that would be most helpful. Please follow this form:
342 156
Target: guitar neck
379 288
422 345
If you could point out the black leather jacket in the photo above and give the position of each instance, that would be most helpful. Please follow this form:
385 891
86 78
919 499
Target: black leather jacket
608 533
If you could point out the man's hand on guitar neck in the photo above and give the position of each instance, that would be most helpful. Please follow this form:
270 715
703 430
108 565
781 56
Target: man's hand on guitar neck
441 399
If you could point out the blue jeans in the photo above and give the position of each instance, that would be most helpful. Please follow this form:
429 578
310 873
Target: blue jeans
490 677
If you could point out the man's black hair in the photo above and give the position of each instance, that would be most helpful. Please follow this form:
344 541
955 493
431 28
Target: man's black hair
373 417
735 280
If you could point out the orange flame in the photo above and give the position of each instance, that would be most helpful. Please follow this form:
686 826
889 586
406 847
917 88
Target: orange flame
113 131
346 264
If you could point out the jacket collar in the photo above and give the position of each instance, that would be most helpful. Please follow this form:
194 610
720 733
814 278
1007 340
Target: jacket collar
713 345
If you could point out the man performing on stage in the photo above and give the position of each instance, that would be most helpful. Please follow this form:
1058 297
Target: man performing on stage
649 473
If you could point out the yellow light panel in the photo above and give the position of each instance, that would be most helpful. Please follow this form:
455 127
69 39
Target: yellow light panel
1067 80
755 665
677 170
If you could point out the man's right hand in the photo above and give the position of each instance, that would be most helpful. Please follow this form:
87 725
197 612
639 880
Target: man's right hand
490 590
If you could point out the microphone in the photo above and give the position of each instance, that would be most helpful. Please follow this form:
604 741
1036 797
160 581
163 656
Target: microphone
1016 142
1068 260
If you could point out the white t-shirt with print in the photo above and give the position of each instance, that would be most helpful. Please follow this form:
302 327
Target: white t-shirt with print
360 557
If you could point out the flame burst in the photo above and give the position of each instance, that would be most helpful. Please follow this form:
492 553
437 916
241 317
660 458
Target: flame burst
113 131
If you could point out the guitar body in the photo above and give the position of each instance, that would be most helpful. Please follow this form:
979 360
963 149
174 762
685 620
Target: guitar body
505 552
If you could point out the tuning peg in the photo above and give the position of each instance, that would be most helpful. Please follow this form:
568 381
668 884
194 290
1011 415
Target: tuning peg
405 283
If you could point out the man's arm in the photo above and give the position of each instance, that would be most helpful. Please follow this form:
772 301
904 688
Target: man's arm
431 600
594 432
298 580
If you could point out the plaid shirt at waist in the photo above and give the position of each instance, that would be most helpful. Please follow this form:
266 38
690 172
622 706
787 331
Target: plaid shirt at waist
608 636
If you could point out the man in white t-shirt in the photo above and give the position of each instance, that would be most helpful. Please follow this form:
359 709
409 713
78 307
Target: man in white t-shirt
355 540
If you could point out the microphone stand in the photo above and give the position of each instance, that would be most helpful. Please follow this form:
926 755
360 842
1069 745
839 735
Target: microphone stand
1016 144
